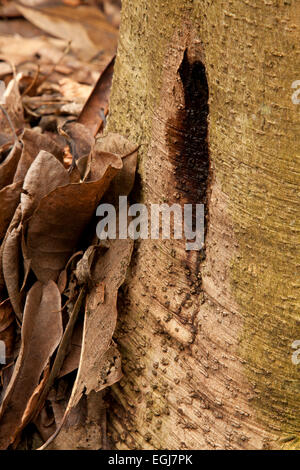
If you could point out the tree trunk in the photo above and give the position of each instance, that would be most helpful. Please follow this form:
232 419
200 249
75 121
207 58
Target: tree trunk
205 87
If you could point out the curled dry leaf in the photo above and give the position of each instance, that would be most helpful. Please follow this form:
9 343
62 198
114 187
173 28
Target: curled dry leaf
72 358
96 107
60 219
13 224
123 182
97 163
110 266
11 269
33 142
100 361
93 372
80 140
9 200
7 329
44 175
9 165
115 143
33 400
14 108
41 334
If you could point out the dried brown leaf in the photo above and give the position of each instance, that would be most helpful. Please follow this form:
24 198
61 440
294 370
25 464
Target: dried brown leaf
115 143
7 328
123 182
32 402
91 115
80 138
20 27
33 142
13 224
11 269
44 175
9 200
72 358
14 108
86 27
97 162
100 322
9 165
85 426
60 219
41 334
26 260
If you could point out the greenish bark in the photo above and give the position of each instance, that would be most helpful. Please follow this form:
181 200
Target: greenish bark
206 337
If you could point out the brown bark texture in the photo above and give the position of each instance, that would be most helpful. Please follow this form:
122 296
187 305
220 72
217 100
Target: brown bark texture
205 87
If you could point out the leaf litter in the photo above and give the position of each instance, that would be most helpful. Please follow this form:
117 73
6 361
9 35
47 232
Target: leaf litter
58 283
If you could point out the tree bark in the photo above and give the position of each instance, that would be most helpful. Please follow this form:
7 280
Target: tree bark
205 87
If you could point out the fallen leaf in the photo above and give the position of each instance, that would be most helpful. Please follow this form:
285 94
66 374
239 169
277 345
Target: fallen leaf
85 426
8 10
9 165
123 182
15 221
13 107
86 27
32 403
116 144
74 91
11 269
33 142
79 137
9 200
72 358
60 219
7 329
63 348
41 334
96 107
94 373
26 53
19 26
44 175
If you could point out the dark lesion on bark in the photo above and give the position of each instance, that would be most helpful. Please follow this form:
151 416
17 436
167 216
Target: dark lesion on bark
188 134
192 160
188 143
